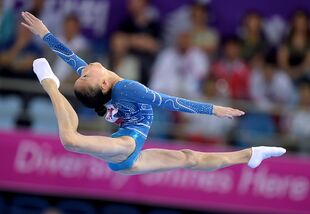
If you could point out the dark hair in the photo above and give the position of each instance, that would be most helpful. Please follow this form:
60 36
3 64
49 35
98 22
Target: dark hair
270 57
298 13
253 12
231 39
200 6
72 17
94 98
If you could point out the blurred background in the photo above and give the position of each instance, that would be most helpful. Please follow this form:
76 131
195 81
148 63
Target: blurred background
252 55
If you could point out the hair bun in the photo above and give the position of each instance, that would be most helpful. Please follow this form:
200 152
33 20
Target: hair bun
101 111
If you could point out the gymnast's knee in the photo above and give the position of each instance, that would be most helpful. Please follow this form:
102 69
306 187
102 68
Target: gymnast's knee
68 139
190 158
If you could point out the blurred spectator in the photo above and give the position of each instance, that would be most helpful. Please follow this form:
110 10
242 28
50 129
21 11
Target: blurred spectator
275 28
7 26
270 86
179 70
16 61
294 55
252 37
231 71
298 120
120 60
73 38
17 56
142 32
54 9
202 35
176 21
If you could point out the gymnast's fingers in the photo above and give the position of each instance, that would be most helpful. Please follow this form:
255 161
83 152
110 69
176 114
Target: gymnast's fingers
26 18
27 26
230 113
32 17
236 112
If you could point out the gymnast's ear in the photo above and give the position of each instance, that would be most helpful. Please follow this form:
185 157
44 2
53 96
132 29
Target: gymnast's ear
105 86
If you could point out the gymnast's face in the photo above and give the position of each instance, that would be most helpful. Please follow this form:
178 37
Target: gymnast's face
93 75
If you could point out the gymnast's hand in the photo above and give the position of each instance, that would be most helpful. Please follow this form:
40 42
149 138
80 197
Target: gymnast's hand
221 111
34 24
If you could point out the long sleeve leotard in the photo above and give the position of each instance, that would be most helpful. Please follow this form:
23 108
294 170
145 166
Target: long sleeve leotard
65 53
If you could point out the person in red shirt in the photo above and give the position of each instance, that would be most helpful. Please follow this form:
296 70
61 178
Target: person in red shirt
231 71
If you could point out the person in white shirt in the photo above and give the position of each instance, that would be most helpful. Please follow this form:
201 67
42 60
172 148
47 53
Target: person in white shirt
183 66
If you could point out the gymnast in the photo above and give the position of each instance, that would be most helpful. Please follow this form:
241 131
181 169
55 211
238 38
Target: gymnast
128 104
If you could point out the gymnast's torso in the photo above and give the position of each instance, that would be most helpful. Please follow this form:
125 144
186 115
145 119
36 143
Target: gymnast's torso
131 106
127 113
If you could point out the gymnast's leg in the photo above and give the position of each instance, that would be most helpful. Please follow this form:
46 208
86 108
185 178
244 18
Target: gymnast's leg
106 148
158 160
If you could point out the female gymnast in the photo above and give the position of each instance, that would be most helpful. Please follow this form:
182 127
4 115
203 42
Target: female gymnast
128 104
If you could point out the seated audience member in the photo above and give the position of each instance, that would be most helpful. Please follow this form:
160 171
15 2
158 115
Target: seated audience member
271 87
120 60
179 70
142 32
252 38
294 54
16 61
202 35
275 28
231 71
298 120
18 52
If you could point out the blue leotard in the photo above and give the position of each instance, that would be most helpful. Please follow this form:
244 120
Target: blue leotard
65 53
131 106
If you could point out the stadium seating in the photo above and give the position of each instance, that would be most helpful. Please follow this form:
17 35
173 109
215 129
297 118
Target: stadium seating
2 205
42 114
28 205
163 211
255 129
76 207
119 209
10 108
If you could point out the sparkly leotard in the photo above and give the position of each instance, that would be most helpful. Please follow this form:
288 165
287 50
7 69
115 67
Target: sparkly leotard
131 106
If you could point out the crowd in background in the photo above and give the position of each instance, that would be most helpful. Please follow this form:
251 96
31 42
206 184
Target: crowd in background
261 69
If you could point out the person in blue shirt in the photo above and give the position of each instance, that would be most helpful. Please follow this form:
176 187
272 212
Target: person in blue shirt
129 104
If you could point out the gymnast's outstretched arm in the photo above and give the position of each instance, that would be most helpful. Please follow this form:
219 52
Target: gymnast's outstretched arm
135 91
37 27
